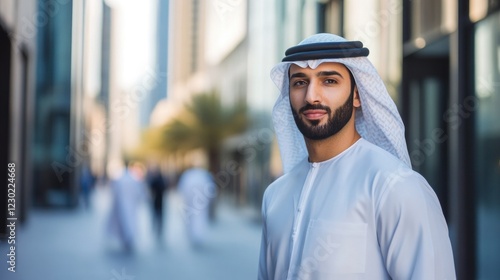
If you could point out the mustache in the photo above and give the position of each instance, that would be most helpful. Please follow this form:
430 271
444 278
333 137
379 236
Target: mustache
315 107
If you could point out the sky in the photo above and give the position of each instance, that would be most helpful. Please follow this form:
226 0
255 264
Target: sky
135 41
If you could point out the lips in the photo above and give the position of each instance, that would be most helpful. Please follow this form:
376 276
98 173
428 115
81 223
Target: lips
314 114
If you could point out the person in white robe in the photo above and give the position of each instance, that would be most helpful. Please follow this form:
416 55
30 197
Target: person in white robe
348 205
197 188
129 191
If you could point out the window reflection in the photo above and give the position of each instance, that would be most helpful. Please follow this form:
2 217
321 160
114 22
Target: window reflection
487 89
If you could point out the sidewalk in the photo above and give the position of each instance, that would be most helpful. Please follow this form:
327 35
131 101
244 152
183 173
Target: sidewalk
62 244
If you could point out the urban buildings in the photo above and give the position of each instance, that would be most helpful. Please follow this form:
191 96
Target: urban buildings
18 54
439 60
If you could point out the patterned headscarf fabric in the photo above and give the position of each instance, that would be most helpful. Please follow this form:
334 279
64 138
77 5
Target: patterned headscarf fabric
377 120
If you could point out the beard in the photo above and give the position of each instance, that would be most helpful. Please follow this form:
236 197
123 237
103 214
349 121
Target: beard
335 123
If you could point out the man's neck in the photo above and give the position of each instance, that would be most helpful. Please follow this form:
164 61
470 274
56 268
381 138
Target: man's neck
321 150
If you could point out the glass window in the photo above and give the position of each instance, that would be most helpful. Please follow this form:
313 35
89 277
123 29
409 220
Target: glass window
426 16
430 18
487 137
330 17
480 8
333 18
426 127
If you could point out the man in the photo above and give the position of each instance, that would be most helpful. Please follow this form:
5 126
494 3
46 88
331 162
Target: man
158 184
198 189
348 206
129 190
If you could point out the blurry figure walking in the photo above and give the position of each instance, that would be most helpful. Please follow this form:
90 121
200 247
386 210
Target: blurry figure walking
87 182
129 190
197 188
157 185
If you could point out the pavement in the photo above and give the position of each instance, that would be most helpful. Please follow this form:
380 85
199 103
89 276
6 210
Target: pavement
67 244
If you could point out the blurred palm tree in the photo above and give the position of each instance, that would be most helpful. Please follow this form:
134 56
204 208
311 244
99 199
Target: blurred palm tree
202 124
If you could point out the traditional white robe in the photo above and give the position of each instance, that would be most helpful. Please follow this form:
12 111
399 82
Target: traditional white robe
360 215
198 190
128 193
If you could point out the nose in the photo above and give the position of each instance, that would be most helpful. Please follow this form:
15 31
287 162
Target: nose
313 94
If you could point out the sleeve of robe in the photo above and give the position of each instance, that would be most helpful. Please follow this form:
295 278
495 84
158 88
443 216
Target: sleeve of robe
413 233
263 273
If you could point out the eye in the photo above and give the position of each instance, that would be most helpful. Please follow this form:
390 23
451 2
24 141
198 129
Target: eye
330 81
299 83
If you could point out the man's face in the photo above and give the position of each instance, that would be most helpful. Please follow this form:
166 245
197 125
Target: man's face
321 99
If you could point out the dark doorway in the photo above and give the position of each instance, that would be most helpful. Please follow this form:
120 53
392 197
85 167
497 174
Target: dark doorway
5 62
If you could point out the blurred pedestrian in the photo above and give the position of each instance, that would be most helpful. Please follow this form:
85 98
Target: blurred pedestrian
349 205
197 188
87 182
158 184
129 190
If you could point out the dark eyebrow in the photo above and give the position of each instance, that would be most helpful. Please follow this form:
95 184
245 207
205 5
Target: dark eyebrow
320 74
329 73
297 75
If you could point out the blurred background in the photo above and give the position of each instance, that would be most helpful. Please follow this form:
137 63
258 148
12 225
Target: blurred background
86 86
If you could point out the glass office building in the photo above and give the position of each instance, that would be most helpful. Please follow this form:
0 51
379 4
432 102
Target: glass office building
487 139
450 98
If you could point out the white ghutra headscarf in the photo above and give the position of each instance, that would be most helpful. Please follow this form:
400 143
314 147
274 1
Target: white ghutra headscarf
377 121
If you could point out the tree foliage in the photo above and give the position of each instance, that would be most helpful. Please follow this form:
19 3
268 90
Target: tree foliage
203 123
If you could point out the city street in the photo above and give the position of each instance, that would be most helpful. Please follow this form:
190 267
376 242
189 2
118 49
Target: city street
64 244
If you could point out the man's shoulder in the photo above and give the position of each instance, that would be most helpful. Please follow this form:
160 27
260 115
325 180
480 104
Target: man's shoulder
386 169
287 180
393 178
376 157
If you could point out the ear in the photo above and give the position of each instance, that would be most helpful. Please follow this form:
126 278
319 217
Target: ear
356 102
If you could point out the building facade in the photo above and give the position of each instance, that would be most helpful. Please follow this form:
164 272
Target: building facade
45 81
450 86
17 94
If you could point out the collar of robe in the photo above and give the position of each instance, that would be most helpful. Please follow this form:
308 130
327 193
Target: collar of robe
325 50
